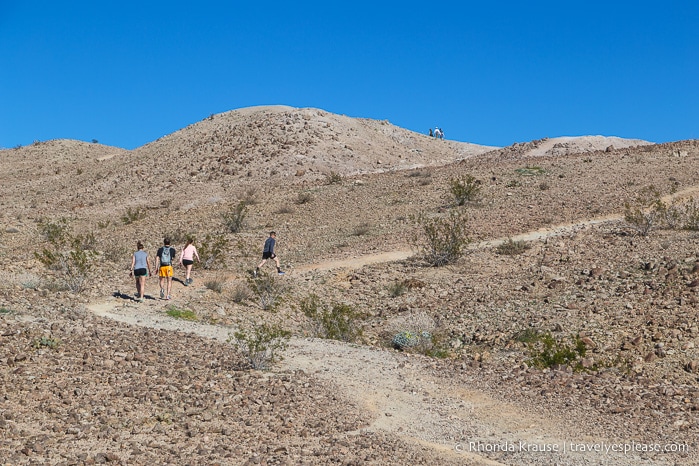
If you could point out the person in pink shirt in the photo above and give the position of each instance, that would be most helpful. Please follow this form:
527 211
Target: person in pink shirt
189 252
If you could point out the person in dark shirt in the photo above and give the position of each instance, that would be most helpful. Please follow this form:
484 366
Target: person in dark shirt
268 253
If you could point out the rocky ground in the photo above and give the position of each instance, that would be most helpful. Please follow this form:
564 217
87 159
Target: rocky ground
94 377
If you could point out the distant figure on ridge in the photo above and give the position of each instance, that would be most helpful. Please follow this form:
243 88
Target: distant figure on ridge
140 269
163 262
189 252
431 135
268 253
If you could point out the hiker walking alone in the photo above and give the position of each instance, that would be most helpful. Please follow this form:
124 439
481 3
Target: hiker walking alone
268 253
140 269
189 252
163 262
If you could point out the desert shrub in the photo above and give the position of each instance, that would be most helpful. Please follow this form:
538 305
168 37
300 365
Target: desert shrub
5 311
250 196
285 209
54 232
212 251
214 285
241 293
304 197
465 188
69 260
530 171
46 342
440 240
235 219
86 241
261 344
361 229
396 289
131 216
528 335
512 248
645 212
184 314
333 178
545 351
268 290
691 215
419 174
336 321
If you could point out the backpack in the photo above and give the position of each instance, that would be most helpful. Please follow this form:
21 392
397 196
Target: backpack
165 258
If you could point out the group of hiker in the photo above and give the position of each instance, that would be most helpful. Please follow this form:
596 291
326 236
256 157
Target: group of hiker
141 265
438 133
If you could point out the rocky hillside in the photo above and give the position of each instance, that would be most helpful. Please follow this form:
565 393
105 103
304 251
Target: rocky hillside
78 387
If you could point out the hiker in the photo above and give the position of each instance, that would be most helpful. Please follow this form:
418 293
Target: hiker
140 269
431 135
189 252
163 262
268 253
441 133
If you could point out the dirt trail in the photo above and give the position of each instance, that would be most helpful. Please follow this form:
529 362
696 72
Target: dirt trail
400 390
541 233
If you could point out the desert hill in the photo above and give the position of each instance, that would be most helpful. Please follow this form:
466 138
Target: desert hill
96 377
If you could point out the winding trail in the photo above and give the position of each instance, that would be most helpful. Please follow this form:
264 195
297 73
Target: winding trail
401 391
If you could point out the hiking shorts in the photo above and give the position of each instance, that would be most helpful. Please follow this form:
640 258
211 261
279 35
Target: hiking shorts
187 262
165 271
140 272
268 255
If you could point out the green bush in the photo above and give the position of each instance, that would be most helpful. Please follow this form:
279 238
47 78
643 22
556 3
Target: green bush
46 342
530 171
440 240
68 258
396 289
213 251
512 248
336 321
134 215
547 352
184 314
261 344
465 188
235 219
54 232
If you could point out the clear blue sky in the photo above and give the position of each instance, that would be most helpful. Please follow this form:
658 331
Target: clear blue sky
488 72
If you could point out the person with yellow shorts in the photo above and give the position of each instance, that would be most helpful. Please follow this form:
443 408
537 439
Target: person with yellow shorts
163 263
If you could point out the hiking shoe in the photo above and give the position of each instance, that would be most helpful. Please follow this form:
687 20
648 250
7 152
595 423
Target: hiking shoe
162 293
186 283
254 273
281 272
140 300
168 297
190 280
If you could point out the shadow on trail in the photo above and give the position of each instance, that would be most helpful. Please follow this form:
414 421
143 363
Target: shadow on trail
128 297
